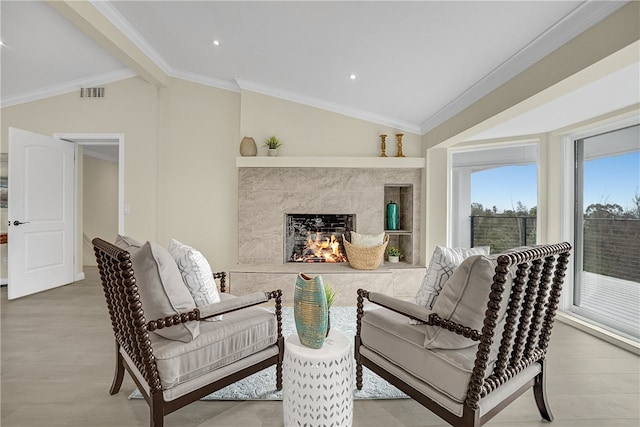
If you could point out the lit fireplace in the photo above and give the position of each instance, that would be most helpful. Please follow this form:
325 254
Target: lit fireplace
316 237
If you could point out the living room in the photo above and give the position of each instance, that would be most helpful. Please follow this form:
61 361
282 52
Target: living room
184 132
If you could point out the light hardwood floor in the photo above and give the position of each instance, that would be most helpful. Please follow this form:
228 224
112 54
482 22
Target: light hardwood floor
57 366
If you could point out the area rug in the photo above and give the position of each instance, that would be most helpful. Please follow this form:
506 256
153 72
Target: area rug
261 385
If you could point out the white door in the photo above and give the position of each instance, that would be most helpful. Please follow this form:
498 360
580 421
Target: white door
40 213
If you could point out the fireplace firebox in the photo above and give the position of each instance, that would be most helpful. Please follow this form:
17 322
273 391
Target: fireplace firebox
316 237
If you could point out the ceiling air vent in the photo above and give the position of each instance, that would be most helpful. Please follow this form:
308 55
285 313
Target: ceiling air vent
91 92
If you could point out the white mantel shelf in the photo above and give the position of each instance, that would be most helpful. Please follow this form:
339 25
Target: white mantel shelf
331 162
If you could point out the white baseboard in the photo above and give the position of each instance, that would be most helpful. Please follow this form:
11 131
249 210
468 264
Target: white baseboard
79 276
621 341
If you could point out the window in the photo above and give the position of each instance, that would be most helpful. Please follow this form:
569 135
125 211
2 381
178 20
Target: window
607 229
494 196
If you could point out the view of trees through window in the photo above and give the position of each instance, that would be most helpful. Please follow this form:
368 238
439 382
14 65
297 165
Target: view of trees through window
611 240
505 221
609 229
503 230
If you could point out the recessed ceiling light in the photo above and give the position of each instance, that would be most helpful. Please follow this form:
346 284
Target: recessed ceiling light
353 76
216 43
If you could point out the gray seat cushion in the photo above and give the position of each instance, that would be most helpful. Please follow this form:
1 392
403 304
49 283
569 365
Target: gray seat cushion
392 337
238 335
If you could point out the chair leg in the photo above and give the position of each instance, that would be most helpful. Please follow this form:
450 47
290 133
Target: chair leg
119 373
470 417
540 393
156 412
280 352
358 375
279 376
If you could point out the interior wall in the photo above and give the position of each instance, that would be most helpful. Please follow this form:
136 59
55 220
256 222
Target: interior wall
181 142
131 108
311 131
100 203
437 202
198 179
200 132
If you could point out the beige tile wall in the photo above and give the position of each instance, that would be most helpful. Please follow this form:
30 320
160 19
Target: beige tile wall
265 195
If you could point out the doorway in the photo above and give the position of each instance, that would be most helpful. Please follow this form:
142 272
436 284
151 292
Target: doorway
96 156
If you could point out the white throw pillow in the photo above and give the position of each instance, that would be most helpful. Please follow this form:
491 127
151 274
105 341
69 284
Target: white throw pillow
367 240
196 274
444 262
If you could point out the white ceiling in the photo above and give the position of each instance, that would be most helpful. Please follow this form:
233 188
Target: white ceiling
418 63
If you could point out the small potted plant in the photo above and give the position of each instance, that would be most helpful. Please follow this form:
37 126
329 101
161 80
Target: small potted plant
394 254
272 144
331 294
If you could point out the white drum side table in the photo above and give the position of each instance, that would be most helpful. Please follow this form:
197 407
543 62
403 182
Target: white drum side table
318 384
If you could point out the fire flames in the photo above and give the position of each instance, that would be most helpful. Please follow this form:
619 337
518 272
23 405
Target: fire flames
321 249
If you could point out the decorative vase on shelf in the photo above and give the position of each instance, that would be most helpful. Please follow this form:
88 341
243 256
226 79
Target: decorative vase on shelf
399 138
272 152
394 259
310 310
248 147
393 216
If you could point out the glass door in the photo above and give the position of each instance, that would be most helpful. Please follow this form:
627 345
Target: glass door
607 229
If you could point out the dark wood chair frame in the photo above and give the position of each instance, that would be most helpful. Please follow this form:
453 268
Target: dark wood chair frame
131 331
531 309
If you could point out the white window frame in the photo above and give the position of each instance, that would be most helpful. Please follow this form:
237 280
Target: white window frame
460 194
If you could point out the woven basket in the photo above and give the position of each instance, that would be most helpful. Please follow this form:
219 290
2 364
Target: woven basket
365 258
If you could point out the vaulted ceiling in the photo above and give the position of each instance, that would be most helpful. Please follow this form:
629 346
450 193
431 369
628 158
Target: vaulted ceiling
416 64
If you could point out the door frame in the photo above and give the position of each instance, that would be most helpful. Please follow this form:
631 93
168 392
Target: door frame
89 139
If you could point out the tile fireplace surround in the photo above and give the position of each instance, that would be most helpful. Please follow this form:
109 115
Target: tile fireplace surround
266 194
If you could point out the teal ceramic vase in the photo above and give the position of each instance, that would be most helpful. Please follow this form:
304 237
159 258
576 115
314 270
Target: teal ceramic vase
393 216
310 310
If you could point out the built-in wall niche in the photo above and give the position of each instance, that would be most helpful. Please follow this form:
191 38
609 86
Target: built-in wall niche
402 194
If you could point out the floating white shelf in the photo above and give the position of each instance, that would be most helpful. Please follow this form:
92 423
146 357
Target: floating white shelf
331 162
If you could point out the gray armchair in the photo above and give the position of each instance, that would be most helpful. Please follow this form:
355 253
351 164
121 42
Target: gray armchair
481 346
179 358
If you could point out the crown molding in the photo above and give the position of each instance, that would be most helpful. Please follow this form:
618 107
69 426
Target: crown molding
573 24
205 80
73 85
328 106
